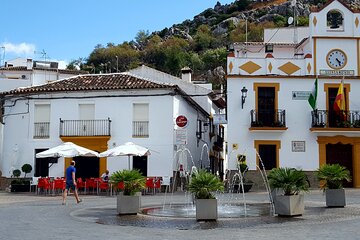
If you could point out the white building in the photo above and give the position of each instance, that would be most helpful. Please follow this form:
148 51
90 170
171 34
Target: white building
24 72
275 118
100 112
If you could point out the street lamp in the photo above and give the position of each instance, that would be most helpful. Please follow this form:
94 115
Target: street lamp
117 64
243 96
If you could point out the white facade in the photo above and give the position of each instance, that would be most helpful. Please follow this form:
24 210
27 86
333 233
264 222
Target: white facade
22 72
282 77
117 105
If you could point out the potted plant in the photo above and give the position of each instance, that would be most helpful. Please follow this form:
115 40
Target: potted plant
128 202
243 168
292 182
332 177
203 185
21 184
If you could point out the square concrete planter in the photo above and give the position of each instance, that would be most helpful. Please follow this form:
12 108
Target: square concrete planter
128 205
289 205
206 209
335 197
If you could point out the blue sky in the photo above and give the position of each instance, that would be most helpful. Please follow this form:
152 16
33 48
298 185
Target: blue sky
69 29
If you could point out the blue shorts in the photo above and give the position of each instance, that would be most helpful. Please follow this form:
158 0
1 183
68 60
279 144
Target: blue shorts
70 185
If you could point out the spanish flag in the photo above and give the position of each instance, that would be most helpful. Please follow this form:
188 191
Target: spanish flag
339 104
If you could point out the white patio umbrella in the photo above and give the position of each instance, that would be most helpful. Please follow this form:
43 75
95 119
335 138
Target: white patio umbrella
67 149
127 149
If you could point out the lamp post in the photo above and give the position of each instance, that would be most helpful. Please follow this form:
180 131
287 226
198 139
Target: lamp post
243 96
117 64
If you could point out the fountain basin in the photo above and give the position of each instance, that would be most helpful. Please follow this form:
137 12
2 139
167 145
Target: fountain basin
224 210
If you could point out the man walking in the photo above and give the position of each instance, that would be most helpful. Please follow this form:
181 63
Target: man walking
71 183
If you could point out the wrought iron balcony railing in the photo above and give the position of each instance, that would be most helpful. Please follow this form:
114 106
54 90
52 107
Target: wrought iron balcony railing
42 130
274 118
332 119
140 129
79 128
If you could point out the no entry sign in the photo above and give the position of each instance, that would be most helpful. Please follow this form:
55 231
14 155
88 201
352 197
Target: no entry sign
181 121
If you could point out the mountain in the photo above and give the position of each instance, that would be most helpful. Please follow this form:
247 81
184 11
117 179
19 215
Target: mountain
201 43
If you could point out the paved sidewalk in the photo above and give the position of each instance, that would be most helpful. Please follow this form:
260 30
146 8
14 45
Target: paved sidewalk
29 216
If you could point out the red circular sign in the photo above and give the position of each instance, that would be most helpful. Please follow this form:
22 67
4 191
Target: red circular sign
181 121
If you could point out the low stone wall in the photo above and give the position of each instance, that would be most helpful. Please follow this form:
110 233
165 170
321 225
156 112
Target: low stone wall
4 183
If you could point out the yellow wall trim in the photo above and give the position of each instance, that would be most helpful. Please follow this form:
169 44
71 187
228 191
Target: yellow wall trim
336 85
262 84
257 143
250 67
98 144
355 141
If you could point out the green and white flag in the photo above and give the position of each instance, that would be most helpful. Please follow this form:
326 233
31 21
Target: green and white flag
313 95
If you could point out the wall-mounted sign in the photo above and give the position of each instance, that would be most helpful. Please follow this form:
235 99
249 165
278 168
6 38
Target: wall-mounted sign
300 95
219 119
181 121
181 136
298 146
337 72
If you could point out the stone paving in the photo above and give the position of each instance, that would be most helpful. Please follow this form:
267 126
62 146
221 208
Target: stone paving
29 216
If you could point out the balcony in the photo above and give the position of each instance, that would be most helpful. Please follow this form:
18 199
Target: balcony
141 129
323 120
268 120
81 128
41 130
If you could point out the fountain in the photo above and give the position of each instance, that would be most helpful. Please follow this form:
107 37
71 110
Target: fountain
205 146
230 206
179 210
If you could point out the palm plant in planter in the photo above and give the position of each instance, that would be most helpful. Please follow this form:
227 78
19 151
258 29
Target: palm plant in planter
332 177
128 202
292 182
203 185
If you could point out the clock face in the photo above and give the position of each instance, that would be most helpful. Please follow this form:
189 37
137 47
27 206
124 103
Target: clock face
336 59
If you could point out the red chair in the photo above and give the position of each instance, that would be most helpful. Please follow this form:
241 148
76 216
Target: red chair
80 185
90 183
121 186
59 185
103 186
44 185
149 184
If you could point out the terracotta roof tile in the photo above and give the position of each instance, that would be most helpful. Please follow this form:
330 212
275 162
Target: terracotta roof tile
93 82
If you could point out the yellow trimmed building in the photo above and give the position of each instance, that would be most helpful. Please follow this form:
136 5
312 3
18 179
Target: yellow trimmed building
268 85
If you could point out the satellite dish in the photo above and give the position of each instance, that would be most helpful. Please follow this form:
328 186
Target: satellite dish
293 3
290 20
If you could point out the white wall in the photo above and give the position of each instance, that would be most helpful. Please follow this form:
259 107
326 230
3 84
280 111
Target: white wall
298 120
19 127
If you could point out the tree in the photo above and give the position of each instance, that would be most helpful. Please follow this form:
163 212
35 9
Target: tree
176 55
203 38
105 60
141 39
26 168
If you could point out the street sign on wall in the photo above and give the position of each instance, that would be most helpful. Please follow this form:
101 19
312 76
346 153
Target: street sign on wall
180 136
181 121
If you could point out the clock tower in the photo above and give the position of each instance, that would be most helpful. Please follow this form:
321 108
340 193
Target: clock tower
335 39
